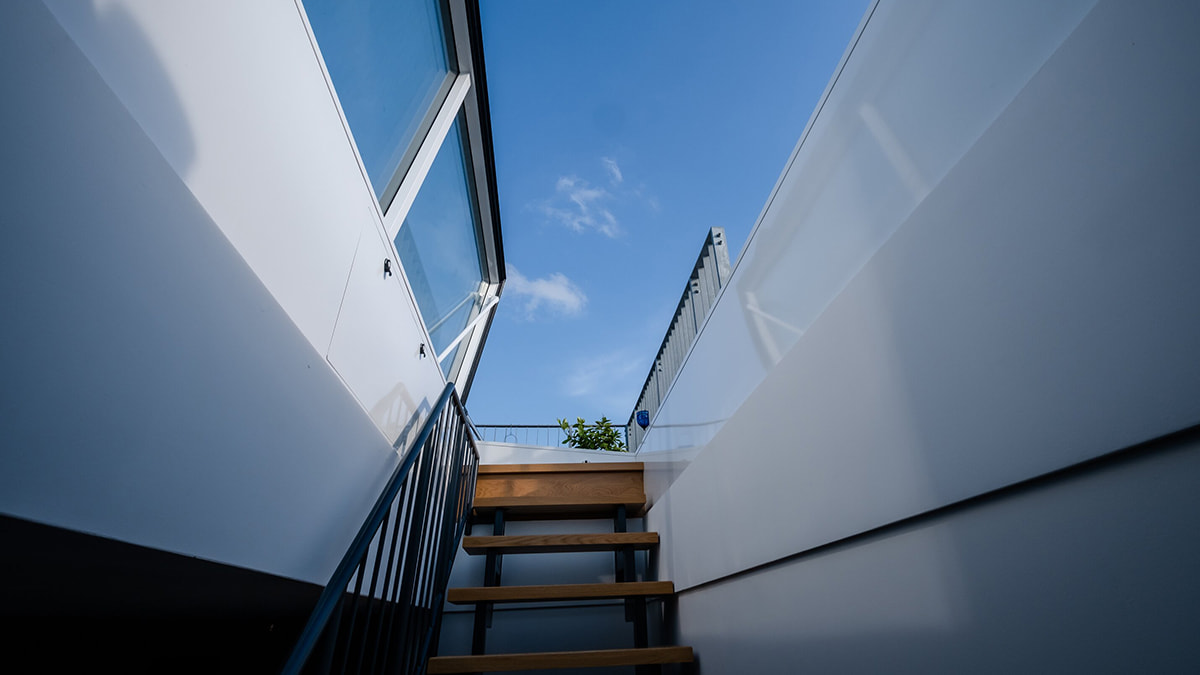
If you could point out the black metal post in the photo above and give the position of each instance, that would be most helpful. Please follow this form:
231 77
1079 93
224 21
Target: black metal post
491 577
624 565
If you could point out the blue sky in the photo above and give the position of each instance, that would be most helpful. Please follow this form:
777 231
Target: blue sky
623 131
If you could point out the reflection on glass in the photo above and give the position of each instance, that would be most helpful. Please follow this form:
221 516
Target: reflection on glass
389 65
439 245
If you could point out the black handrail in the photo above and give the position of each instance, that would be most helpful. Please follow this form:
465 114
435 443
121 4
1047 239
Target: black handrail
427 501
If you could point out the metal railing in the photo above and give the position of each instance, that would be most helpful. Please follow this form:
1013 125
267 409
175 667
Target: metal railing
550 435
709 276
368 622
545 435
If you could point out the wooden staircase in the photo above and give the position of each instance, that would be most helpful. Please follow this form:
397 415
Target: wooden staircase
561 492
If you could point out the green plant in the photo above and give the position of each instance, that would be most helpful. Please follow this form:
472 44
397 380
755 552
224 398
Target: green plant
599 436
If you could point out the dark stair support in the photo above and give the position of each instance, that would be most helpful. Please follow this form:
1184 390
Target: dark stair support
635 608
562 492
619 525
640 637
491 577
623 559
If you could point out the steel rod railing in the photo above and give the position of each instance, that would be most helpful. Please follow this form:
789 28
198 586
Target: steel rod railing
368 622
546 435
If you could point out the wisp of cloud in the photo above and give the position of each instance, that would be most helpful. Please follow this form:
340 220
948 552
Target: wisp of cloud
555 292
581 206
614 171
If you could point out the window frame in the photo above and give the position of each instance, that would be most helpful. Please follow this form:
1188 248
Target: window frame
462 94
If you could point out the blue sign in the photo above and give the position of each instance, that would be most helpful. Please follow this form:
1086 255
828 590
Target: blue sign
643 418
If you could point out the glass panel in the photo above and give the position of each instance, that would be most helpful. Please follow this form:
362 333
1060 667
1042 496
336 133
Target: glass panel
439 244
389 63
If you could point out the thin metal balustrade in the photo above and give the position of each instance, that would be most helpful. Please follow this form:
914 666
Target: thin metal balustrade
381 610
548 435
545 435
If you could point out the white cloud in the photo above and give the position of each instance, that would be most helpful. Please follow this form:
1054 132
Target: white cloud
556 292
580 206
614 171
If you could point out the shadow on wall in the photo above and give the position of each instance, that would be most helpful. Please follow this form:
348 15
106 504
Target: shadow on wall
126 58
155 392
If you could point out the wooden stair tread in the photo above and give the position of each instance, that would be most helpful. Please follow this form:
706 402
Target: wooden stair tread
559 543
470 595
491 663
555 491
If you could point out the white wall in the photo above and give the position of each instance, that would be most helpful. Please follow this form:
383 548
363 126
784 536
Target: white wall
1093 574
182 208
978 267
235 97
515 453
1036 307
921 88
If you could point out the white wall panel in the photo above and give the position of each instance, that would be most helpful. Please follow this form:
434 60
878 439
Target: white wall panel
243 112
234 96
515 453
1093 574
154 390
1034 304
376 347
924 81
